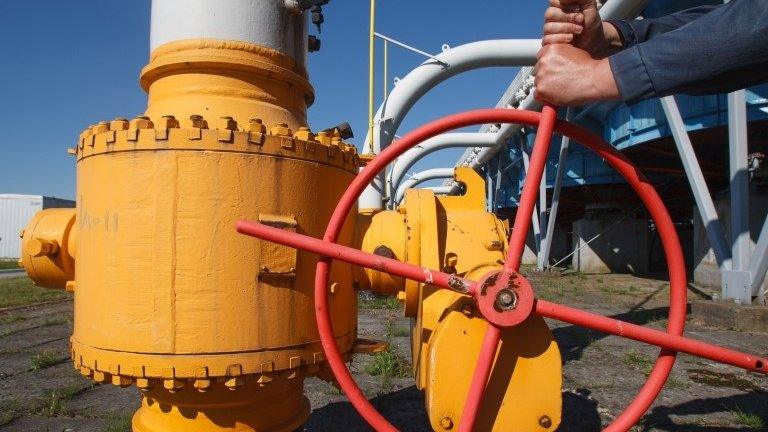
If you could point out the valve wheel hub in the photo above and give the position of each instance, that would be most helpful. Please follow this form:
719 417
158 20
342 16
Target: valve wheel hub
504 298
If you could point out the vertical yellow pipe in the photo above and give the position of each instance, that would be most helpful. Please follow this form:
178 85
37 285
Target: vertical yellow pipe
371 65
385 77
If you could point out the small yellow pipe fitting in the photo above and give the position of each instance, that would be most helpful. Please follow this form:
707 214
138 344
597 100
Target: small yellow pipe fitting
48 246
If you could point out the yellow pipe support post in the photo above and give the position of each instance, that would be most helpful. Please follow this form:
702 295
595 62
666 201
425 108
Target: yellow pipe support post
371 74
216 329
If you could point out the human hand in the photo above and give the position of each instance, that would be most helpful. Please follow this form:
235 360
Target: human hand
578 22
569 76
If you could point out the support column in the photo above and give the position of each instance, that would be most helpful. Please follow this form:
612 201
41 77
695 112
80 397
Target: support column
737 282
704 203
564 144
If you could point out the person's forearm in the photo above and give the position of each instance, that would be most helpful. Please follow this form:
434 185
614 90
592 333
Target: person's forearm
632 32
721 51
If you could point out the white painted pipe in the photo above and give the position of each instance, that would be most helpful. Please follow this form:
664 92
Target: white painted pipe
277 24
421 177
449 140
475 55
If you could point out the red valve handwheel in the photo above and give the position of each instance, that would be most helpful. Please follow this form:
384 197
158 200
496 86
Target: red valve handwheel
507 287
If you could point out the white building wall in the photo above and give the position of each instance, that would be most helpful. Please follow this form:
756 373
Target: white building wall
15 213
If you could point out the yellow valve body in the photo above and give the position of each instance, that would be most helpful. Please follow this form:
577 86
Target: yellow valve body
216 328
455 234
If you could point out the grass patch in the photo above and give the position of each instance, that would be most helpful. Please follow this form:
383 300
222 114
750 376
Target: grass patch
612 289
117 422
9 264
378 302
750 420
44 360
21 291
638 361
53 404
55 321
388 364
674 383
401 332
12 319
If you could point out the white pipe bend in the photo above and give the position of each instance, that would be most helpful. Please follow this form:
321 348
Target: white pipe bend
421 177
449 140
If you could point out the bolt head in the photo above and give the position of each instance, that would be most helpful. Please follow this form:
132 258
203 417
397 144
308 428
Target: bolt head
545 422
506 299
446 423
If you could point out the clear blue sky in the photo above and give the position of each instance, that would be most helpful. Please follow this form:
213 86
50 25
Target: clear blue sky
67 64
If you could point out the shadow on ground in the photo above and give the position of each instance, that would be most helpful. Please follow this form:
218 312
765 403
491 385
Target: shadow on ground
405 410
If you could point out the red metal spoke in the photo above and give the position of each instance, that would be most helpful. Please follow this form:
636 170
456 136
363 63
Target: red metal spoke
480 378
651 336
530 188
356 257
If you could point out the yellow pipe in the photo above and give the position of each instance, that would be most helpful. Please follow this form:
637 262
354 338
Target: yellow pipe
371 65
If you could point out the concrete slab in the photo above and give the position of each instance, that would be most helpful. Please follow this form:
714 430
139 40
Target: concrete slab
730 316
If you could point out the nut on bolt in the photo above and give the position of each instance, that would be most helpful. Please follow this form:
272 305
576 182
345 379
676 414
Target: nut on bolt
101 127
256 125
141 122
506 299
323 138
167 122
446 423
202 385
451 259
467 309
304 134
280 129
118 124
545 422
198 121
227 122
173 385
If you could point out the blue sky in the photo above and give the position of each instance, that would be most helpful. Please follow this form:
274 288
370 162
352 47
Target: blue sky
67 64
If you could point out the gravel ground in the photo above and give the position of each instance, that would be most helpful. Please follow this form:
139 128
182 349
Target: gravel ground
40 391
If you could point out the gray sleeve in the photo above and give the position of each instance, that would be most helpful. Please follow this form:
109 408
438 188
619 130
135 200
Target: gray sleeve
721 51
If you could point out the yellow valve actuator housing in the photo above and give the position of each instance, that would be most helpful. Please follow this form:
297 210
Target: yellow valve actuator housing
457 235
